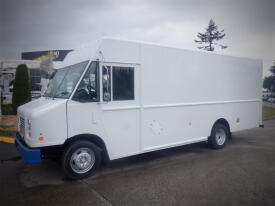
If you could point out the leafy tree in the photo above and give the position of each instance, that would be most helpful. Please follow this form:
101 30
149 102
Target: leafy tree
210 37
21 88
269 82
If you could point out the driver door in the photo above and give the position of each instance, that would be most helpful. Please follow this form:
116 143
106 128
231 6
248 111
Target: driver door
83 112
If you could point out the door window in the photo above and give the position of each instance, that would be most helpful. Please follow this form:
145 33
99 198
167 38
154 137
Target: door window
88 90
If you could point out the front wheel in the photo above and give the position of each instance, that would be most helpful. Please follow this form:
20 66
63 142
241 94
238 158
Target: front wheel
219 136
81 159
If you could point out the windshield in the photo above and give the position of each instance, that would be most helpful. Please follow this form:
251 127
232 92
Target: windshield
64 81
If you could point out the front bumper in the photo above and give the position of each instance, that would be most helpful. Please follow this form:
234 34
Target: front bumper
30 155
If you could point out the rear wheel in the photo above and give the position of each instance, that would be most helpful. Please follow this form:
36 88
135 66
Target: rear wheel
219 136
81 159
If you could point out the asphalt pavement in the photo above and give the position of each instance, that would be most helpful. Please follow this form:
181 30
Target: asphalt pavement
243 173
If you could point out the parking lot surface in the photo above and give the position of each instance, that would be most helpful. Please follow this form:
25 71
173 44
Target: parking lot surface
243 173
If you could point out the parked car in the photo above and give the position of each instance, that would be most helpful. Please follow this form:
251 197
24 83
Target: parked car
265 98
271 100
36 94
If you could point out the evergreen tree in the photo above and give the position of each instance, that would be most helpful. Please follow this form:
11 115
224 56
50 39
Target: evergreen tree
21 88
210 37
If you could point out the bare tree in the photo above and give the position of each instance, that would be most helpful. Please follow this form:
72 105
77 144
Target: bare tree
210 37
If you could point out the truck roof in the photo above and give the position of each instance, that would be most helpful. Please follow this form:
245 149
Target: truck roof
91 51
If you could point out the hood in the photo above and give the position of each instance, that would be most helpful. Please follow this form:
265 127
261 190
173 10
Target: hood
38 106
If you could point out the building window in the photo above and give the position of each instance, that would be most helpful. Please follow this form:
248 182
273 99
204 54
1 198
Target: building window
35 79
123 83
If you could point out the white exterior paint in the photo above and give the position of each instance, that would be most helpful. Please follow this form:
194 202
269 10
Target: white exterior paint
179 95
47 118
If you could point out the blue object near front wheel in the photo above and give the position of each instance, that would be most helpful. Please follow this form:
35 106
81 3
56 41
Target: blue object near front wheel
30 155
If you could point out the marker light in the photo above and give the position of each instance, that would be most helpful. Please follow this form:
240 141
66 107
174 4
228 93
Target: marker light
40 138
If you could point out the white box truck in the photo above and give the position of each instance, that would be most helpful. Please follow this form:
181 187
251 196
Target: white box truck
117 98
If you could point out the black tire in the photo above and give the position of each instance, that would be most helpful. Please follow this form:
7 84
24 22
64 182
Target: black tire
84 149
216 139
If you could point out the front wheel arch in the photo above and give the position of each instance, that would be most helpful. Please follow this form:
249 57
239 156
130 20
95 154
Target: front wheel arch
92 138
80 159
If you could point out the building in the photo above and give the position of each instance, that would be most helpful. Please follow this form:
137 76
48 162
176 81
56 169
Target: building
7 75
40 64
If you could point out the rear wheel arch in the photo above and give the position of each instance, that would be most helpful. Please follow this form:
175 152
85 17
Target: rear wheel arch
223 122
98 141
219 135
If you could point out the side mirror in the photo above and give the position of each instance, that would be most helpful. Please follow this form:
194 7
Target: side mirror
106 96
105 77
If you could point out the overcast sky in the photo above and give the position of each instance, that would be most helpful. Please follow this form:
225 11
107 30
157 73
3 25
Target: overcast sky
30 25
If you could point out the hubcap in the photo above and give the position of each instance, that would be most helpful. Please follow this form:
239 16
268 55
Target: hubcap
82 160
220 137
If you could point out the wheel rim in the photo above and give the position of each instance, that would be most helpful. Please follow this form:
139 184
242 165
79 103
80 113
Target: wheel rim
82 160
220 136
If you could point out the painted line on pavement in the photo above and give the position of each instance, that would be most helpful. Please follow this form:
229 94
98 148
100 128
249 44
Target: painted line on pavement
7 139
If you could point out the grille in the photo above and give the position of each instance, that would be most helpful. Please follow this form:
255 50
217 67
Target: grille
22 126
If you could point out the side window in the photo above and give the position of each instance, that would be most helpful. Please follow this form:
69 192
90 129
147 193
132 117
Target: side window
123 83
88 89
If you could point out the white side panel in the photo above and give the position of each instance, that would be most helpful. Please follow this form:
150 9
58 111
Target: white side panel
185 92
180 76
170 125
122 129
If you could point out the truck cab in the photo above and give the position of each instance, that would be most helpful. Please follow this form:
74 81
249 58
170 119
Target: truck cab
80 103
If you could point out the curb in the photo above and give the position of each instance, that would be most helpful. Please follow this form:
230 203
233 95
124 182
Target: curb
7 139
